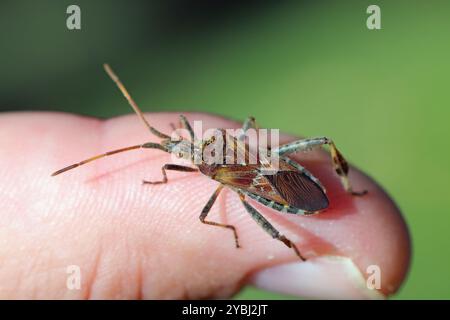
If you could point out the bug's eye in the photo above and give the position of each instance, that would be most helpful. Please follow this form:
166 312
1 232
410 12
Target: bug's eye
180 155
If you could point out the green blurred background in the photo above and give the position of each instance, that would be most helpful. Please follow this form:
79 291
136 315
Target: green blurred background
307 67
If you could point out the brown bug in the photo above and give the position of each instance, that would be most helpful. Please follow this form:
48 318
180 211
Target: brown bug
290 189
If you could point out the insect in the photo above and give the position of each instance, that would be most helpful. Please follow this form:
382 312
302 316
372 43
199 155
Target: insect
291 189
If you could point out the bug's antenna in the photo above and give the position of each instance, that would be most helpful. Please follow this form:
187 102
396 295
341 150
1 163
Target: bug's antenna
75 165
132 103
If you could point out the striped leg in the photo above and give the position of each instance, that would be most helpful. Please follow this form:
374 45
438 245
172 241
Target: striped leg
206 210
173 167
339 163
185 124
268 227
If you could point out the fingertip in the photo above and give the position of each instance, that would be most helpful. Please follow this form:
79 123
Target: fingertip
326 277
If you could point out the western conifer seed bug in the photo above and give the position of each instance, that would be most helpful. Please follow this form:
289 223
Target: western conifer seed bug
291 189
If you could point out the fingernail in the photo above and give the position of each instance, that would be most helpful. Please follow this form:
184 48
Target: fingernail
327 277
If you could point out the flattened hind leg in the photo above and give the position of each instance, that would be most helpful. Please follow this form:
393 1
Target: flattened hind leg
339 163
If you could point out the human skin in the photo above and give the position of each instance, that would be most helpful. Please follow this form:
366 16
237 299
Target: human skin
145 241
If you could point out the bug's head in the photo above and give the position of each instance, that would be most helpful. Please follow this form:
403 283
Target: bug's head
181 148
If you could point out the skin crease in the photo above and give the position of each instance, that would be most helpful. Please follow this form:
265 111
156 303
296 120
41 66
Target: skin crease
134 241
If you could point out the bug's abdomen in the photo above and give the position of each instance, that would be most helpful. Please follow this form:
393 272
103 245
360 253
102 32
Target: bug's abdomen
299 190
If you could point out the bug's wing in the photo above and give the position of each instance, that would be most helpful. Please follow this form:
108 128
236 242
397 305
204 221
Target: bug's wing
290 188
299 190
287 186
248 178
236 175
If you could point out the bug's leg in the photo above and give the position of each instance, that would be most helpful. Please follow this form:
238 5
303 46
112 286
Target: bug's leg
173 167
174 128
132 103
184 123
268 227
250 122
206 210
340 165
